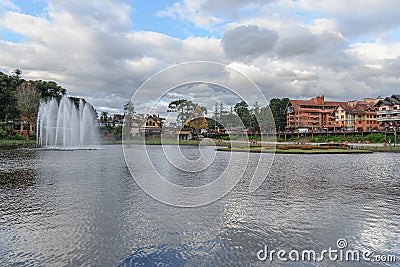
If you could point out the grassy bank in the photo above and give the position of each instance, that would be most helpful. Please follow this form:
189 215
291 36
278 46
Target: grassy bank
158 141
7 143
295 150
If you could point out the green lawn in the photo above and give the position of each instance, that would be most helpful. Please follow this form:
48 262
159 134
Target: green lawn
7 143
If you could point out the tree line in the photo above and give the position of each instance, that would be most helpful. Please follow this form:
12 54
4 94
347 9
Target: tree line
250 117
191 115
21 98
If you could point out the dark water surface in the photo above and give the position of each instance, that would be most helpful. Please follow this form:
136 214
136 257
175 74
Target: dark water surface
83 208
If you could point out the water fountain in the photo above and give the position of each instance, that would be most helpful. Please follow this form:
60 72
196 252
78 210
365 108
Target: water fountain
64 125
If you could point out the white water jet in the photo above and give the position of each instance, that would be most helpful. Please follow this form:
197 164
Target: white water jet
63 125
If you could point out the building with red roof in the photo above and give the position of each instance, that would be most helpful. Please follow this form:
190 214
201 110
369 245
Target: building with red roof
357 116
315 114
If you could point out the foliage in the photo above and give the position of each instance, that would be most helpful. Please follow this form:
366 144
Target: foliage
19 136
8 91
6 130
266 119
27 100
8 85
241 109
198 121
117 131
375 138
104 117
49 89
278 107
353 138
185 109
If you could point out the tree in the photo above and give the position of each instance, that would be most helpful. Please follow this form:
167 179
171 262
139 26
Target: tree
185 109
8 85
243 112
216 111
5 130
266 120
278 109
27 101
229 121
49 89
128 119
17 73
198 121
104 117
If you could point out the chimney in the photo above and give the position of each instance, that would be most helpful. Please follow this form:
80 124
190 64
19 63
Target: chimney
352 103
319 100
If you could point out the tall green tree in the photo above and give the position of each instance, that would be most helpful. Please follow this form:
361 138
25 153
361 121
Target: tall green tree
242 110
49 89
104 117
184 108
8 85
278 109
266 119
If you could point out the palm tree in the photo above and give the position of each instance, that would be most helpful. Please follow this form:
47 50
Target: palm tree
104 116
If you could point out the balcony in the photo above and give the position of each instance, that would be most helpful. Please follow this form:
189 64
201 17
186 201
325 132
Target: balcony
394 118
388 112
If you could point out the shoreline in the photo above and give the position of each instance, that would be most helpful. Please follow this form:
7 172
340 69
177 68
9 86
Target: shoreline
234 146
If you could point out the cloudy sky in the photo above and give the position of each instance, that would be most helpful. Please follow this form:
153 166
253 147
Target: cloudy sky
104 50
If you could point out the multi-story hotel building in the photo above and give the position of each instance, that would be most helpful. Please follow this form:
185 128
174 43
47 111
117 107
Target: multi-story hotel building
315 114
359 116
389 112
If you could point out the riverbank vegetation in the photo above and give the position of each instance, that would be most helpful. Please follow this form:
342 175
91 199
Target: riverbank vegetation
19 102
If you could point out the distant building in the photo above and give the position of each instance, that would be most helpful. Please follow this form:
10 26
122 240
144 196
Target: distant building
184 135
389 112
357 116
118 120
22 126
114 121
315 114
150 126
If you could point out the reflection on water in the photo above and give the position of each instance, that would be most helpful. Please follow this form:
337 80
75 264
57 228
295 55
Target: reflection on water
82 208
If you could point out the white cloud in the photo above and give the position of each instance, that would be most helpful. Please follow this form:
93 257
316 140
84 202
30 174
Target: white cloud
7 4
290 49
248 41
356 18
191 10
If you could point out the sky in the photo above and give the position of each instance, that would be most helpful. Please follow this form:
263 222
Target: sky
103 50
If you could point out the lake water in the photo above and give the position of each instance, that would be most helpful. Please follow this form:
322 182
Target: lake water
83 208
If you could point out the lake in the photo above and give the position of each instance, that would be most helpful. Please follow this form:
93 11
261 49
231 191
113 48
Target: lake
83 208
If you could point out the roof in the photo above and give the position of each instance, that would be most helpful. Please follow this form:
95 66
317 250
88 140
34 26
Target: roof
298 103
389 101
346 107
362 108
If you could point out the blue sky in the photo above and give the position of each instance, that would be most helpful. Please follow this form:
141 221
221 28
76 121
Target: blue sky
143 16
104 49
